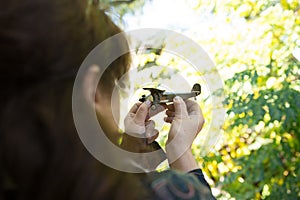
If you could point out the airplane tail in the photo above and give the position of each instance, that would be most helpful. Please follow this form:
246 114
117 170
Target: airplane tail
196 89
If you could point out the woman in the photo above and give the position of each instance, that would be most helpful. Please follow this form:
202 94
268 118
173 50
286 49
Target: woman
42 45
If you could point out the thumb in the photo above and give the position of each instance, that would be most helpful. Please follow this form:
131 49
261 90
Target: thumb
142 113
180 107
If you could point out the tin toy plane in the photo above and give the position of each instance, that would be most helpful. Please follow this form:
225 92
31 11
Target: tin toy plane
160 96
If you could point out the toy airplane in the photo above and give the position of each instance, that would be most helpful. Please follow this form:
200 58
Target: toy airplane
160 96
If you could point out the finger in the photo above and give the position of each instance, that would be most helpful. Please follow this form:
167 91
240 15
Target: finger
158 108
168 119
142 113
135 107
153 138
150 126
170 113
150 129
193 107
180 107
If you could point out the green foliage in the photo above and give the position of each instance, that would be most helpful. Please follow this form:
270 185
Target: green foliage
260 157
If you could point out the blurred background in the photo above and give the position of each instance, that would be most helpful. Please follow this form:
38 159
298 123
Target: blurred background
256 48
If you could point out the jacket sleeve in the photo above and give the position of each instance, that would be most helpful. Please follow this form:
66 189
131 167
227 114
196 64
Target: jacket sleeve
177 185
198 173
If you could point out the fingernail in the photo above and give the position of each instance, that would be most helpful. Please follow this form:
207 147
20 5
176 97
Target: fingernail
177 98
148 103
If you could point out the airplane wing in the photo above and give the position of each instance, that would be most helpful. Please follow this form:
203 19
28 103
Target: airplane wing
154 90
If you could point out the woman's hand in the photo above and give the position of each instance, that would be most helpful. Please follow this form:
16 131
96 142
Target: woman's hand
186 122
137 123
140 135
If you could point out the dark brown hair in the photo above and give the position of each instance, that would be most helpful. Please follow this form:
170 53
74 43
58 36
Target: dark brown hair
42 46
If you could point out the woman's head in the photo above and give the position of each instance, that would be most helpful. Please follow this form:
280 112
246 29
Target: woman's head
42 46
43 41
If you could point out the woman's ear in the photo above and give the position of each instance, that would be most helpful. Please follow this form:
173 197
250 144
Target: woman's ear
90 84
